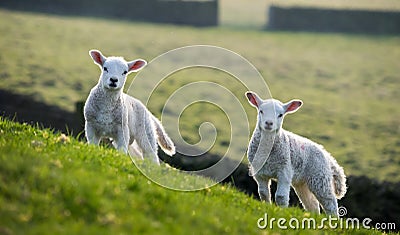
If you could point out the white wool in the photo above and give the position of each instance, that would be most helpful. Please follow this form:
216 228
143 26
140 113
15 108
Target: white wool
110 113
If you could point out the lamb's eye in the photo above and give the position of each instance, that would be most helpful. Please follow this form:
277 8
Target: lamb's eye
261 112
125 72
105 69
280 115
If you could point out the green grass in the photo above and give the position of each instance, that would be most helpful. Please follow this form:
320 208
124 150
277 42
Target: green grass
53 184
349 83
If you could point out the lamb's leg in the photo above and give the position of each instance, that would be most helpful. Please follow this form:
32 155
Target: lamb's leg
122 139
149 149
263 187
329 203
323 190
282 192
310 203
134 150
91 136
146 140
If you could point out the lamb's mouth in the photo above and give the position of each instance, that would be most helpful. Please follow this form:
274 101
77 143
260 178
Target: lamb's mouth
113 85
268 128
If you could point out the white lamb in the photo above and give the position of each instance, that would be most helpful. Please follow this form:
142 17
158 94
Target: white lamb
290 159
110 113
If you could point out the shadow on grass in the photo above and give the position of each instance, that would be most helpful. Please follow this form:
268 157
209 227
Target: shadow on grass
365 197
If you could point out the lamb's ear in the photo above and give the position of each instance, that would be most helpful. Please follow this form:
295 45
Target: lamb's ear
292 106
136 65
253 98
97 57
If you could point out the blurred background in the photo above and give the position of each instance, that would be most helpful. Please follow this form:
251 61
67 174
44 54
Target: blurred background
341 58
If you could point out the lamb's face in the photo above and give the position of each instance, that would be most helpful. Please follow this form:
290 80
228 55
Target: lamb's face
270 115
115 69
271 112
114 73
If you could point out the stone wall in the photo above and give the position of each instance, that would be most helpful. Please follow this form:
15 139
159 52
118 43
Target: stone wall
188 12
333 20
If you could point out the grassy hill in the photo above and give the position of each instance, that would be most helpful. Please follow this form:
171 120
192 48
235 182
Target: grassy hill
53 184
349 83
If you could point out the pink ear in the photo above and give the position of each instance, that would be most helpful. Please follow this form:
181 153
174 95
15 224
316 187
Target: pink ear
97 57
252 98
136 65
293 106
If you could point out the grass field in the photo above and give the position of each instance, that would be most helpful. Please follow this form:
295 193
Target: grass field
53 184
349 83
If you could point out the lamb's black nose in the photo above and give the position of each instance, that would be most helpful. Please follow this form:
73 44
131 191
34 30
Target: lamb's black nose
113 80
269 123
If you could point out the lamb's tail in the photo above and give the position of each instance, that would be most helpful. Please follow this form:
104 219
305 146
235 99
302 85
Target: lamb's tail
163 139
339 179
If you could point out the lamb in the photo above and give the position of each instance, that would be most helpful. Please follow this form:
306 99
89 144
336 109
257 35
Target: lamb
110 113
292 160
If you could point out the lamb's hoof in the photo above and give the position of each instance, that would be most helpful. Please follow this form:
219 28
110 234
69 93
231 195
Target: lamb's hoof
281 201
265 197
